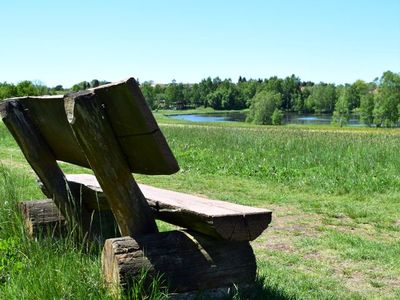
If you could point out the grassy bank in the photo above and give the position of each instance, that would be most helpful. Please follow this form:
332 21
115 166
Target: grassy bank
335 194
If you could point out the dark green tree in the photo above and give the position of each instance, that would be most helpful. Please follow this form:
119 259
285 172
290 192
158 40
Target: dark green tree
94 83
58 88
247 90
149 94
290 88
358 89
387 100
322 98
367 108
206 87
80 86
263 106
341 114
277 117
7 90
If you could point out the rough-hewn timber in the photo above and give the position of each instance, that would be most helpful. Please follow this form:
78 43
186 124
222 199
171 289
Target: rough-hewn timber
43 218
90 124
41 158
216 218
135 128
186 261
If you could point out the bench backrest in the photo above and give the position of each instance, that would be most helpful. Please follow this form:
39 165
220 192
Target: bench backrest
134 126
109 129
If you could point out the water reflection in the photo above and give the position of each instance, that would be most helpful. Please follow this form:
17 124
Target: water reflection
212 117
289 118
314 119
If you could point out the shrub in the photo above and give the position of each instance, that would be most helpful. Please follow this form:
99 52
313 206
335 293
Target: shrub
263 106
277 117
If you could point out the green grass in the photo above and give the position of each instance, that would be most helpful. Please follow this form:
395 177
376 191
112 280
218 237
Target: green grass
326 162
335 194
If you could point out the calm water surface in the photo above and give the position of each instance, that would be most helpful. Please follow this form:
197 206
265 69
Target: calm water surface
289 118
212 117
314 119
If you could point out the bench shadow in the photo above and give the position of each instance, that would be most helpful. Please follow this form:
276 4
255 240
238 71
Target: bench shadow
261 292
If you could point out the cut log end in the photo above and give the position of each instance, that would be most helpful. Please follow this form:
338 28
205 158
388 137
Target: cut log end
187 261
42 217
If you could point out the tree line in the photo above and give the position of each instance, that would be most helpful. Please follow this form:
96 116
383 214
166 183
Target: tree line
36 88
377 102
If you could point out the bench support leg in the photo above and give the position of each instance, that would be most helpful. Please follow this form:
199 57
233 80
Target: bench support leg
95 135
42 160
186 261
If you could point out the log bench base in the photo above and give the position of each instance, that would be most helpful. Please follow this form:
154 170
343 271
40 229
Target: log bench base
196 266
222 293
42 218
188 262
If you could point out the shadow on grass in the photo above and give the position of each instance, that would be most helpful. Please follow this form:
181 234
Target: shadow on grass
260 291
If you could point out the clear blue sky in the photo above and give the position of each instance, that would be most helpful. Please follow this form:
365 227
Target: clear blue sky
320 40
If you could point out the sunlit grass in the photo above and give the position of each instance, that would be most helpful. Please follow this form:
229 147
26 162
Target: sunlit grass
335 195
324 162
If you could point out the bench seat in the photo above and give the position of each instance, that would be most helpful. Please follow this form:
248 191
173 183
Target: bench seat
219 219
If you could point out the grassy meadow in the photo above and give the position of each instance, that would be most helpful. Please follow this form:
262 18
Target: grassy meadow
335 196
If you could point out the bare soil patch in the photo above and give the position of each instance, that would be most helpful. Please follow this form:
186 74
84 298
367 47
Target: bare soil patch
290 225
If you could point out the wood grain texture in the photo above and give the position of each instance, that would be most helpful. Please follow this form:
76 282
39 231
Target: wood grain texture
220 219
216 218
41 158
90 123
187 261
135 128
43 218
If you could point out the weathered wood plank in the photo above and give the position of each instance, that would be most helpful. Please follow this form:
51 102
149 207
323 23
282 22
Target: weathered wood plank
136 129
48 115
187 261
90 124
41 158
216 218
133 124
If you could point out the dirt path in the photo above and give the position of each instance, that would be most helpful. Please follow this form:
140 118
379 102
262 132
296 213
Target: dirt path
289 228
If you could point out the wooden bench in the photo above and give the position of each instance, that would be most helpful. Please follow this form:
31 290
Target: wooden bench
111 130
219 219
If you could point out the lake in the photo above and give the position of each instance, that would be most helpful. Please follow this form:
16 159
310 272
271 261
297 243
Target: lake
212 117
288 118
